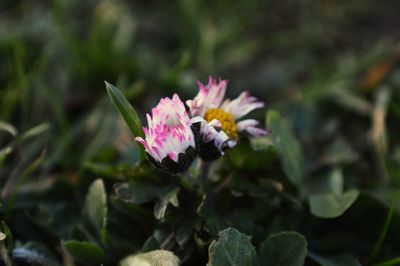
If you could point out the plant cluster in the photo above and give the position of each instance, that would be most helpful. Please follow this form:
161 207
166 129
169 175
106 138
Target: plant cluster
312 179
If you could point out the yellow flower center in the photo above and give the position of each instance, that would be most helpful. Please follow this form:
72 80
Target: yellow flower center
226 119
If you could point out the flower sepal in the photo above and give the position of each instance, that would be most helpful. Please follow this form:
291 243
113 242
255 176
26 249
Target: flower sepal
207 151
170 166
169 141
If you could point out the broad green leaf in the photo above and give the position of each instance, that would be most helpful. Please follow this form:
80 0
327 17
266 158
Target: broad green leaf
85 251
232 249
329 205
287 147
127 112
152 258
283 249
96 207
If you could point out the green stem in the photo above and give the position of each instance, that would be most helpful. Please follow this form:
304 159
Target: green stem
187 181
204 168
392 262
4 255
385 227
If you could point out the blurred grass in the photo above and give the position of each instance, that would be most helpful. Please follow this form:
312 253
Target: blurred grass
310 59
331 67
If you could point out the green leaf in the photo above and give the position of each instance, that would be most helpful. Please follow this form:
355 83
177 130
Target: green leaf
250 157
8 128
261 143
171 196
329 205
287 147
4 152
284 249
127 112
30 133
336 182
232 249
214 223
150 244
4 252
335 261
184 232
96 207
385 227
152 258
35 131
85 251
392 262
137 193
9 238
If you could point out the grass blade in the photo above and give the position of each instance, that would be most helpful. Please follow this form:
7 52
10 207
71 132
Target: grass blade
385 226
392 262
127 112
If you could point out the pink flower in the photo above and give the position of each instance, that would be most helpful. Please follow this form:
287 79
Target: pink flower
218 118
169 139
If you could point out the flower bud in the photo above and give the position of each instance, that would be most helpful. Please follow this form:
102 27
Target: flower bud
169 140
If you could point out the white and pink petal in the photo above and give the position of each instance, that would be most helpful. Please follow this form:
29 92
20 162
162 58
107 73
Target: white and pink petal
242 105
209 96
250 126
169 130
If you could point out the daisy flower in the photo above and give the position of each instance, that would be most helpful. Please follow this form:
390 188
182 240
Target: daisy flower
169 140
218 120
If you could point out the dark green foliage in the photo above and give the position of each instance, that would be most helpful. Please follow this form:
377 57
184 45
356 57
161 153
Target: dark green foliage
320 189
287 148
231 249
284 249
85 251
96 208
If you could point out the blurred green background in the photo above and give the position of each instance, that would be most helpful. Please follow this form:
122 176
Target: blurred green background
330 66
320 62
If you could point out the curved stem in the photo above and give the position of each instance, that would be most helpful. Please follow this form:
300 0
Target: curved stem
204 168
4 254
385 227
